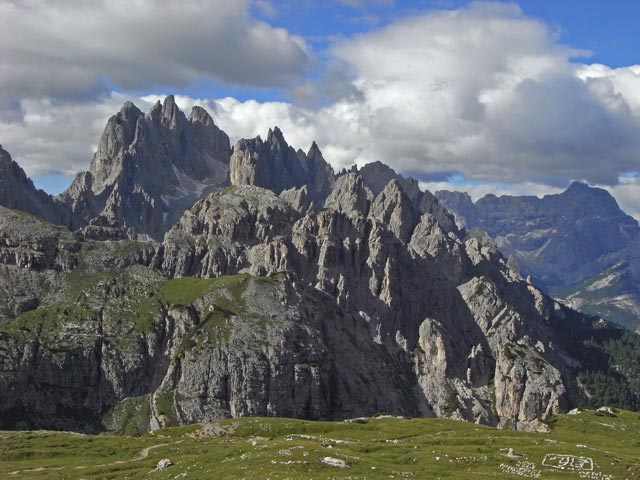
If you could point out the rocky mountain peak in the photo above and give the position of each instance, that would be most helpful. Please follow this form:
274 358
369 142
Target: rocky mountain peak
187 158
578 186
201 116
171 114
393 207
276 137
314 150
349 196
377 176
129 110
5 158
155 112
597 201
11 171
275 165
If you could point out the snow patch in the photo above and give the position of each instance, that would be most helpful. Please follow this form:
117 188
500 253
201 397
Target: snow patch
603 282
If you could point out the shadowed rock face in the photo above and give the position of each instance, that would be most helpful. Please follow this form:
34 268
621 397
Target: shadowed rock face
273 164
18 192
321 296
149 168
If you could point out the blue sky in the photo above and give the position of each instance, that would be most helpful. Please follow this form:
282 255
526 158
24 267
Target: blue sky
499 97
609 30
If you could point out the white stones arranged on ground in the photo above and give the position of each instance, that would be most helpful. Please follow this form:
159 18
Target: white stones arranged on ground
596 476
471 459
290 437
334 462
164 463
522 468
620 427
568 462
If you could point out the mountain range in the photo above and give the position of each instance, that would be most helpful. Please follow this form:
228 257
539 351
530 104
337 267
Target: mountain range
577 245
183 280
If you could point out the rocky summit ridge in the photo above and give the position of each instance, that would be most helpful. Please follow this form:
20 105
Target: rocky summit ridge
149 168
304 294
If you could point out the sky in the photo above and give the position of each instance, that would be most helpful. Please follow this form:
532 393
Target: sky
487 97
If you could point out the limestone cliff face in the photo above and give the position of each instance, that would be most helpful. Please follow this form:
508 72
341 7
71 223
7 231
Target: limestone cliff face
149 168
476 337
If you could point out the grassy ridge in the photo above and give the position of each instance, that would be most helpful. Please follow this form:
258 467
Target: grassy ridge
592 445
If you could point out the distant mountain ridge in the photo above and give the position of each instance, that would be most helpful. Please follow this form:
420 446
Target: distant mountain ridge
563 241
17 191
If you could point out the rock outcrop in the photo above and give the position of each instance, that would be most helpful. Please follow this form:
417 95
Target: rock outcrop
149 168
377 175
441 324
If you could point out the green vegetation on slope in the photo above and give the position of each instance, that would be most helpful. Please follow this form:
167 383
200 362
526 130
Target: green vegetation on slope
186 290
590 445
609 356
223 300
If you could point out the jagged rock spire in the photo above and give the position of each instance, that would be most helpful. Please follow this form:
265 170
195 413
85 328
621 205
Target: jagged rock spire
275 165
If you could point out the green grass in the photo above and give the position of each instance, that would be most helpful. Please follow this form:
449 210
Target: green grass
222 298
374 448
130 417
132 302
184 291
22 215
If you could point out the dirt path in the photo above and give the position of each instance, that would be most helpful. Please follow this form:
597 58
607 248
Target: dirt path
142 454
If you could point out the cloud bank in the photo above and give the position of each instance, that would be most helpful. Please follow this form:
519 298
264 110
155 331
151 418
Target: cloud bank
483 92
71 49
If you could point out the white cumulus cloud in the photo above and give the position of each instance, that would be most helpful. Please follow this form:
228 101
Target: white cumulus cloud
71 48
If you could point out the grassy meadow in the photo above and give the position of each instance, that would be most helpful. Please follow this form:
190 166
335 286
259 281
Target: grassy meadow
590 445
